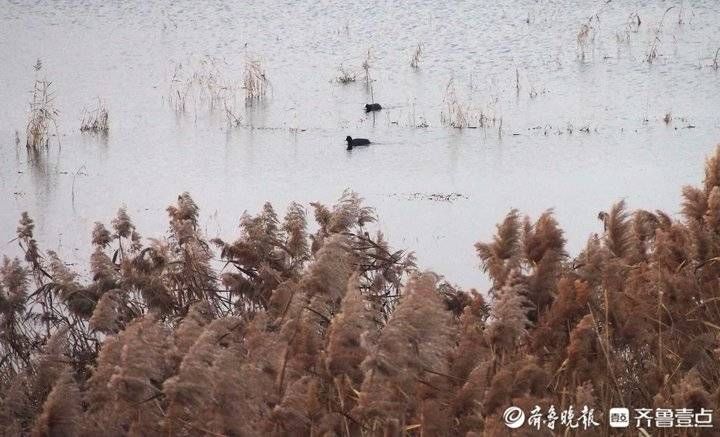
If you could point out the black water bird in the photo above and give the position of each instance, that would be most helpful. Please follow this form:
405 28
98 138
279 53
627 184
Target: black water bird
354 142
370 107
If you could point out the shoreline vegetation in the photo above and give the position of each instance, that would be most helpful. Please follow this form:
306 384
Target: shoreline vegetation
288 332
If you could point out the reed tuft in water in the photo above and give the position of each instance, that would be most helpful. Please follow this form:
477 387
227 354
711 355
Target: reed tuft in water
454 113
653 52
201 85
255 81
42 123
95 120
345 76
416 56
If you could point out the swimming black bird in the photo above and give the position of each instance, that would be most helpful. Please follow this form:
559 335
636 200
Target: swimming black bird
354 142
370 107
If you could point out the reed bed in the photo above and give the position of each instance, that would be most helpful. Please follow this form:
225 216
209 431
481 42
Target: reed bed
288 331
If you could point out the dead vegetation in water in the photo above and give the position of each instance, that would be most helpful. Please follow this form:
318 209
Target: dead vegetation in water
416 120
95 120
568 129
460 115
42 122
435 197
341 335
232 117
632 26
408 118
345 76
653 52
667 118
586 35
454 113
416 56
255 81
201 85
366 65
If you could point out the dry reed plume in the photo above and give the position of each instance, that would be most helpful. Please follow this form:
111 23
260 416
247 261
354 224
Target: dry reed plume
284 331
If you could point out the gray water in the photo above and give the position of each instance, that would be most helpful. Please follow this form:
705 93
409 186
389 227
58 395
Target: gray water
291 144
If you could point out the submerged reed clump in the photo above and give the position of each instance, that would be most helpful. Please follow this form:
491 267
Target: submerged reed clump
667 118
42 124
454 114
653 52
326 330
585 36
345 76
416 56
367 64
96 119
255 81
201 85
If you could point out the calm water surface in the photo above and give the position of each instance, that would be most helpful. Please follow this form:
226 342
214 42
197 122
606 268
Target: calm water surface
291 147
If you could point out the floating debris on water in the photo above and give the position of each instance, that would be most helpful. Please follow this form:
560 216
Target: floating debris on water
436 197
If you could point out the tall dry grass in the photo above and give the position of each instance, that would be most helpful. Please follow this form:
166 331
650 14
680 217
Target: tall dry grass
454 113
654 50
42 122
345 76
255 81
96 119
367 65
288 331
201 84
416 56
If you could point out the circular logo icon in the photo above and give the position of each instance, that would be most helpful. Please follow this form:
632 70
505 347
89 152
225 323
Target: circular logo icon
514 417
